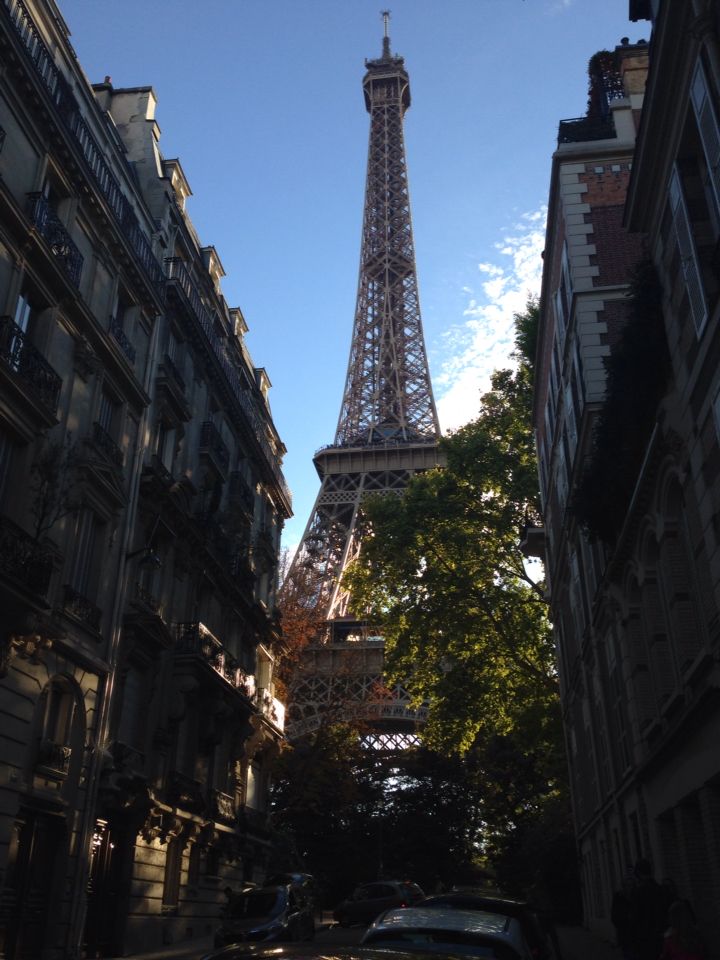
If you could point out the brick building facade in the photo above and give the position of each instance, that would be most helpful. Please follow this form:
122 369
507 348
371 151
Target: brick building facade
628 426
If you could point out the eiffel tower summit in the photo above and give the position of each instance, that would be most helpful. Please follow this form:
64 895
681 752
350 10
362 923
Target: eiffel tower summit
387 430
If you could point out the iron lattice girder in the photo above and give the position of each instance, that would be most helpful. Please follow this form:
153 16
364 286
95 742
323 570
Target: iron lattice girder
387 390
387 431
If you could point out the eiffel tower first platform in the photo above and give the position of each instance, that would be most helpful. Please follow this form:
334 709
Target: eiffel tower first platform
387 431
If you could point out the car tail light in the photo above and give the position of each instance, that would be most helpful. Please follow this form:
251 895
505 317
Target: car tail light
403 904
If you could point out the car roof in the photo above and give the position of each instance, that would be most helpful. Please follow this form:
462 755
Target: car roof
427 918
309 950
479 901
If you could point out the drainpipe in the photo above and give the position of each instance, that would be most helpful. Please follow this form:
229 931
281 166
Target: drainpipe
107 684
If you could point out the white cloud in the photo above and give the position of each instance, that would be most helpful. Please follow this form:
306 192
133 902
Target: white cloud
472 350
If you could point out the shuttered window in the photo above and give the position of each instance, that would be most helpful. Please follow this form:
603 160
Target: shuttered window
688 254
709 133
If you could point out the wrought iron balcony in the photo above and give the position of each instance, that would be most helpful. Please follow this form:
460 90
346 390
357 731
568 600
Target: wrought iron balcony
24 559
121 339
29 364
222 806
55 234
63 98
241 493
265 542
106 445
147 599
212 444
157 468
55 757
172 370
183 791
271 707
195 639
585 129
179 276
78 606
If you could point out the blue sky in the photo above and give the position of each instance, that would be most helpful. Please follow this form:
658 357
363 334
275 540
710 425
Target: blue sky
261 100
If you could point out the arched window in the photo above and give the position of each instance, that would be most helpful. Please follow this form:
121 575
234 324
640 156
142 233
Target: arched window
59 724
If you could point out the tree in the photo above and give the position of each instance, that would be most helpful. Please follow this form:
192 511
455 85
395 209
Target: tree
464 615
441 572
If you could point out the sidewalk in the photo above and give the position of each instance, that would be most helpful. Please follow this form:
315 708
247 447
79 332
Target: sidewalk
183 950
577 943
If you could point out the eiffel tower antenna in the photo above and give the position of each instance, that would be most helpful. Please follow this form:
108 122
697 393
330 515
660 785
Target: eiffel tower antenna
388 427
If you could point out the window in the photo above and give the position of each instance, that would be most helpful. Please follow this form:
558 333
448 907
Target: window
23 312
56 733
108 413
84 571
173 867
7 448
166 446
133 719
688 254
709 135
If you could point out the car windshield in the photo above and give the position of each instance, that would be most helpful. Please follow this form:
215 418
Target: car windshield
257 903
442 941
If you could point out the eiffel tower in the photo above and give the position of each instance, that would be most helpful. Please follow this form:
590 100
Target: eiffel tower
387 430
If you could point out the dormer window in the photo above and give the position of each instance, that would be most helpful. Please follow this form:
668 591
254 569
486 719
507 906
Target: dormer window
178 181
263 381
213 264
237 320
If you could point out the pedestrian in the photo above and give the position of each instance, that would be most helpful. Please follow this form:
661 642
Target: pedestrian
682 940
620 916
647 915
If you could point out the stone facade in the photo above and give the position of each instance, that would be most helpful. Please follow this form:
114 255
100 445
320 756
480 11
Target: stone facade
636 608
141 505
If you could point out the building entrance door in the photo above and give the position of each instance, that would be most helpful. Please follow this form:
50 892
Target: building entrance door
36 843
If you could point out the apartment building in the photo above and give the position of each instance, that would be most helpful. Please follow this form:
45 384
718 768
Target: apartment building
626 419
141 505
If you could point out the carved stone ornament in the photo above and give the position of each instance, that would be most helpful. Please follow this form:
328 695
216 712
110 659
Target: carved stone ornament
27 646
85 360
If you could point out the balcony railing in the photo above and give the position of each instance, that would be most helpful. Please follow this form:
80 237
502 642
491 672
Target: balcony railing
24 559
55 234
194 638
585 129
178 272
107 446
158 468
68 110
241 493
80 607
29 364
54 757
271 707
265 542
222 806
121 339
212 443
147 599
173 371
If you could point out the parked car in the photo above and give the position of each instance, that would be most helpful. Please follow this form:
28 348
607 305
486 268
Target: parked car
370 899
266 914
540 936
314 951
303 883
436 930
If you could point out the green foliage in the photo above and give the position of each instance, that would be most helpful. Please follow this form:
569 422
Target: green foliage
465 621
637 374
353 818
